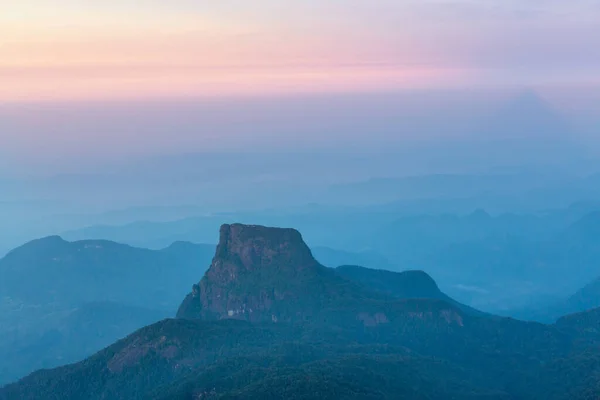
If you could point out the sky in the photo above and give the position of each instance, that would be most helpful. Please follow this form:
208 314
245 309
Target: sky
71 50
98 82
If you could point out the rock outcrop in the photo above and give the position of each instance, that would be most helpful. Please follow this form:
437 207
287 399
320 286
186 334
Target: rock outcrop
256 268
262 274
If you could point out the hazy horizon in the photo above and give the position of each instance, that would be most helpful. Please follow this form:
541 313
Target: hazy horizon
87 88
98 137
310 199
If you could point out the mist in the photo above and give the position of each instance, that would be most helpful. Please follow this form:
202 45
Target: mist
53 138
67 164
217 202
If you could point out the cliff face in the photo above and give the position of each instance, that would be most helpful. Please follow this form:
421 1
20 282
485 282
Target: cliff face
263 274
255 268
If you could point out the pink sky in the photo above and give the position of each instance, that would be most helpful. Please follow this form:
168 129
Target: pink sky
71 50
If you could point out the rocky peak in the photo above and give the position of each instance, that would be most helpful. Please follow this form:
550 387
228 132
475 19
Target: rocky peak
254 267
262 274
254 246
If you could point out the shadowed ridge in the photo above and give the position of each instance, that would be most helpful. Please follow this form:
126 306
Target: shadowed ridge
413 280
401 285
40 246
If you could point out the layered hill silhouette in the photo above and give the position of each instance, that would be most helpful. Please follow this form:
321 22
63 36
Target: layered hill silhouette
496 262
63 301
268 321
515 261
585 299
98 270
55 270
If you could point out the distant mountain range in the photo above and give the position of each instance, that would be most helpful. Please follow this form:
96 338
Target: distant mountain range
72 273
497 262
584 299
268 321
62 301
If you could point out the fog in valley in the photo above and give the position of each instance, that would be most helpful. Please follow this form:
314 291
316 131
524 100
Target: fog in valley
418 235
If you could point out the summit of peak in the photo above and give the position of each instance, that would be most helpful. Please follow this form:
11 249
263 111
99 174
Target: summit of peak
253 246
254 267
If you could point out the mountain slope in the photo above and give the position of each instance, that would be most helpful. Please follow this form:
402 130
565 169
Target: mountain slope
419 354
63 301
333 258
586 298
351 376
53 270
403 285
235 359
268 321
269 274
69 339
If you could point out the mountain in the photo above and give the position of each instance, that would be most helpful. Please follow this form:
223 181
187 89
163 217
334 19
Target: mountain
488 260
53 270
62 301
71 337
333 258
584 325
154 234
586 230
500 263
270 274
426 233
443 187
179 359
585 299
157 235
268 321
579 245
263 274
402 285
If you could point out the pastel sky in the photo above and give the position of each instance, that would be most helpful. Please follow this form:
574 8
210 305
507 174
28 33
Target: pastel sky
120 49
